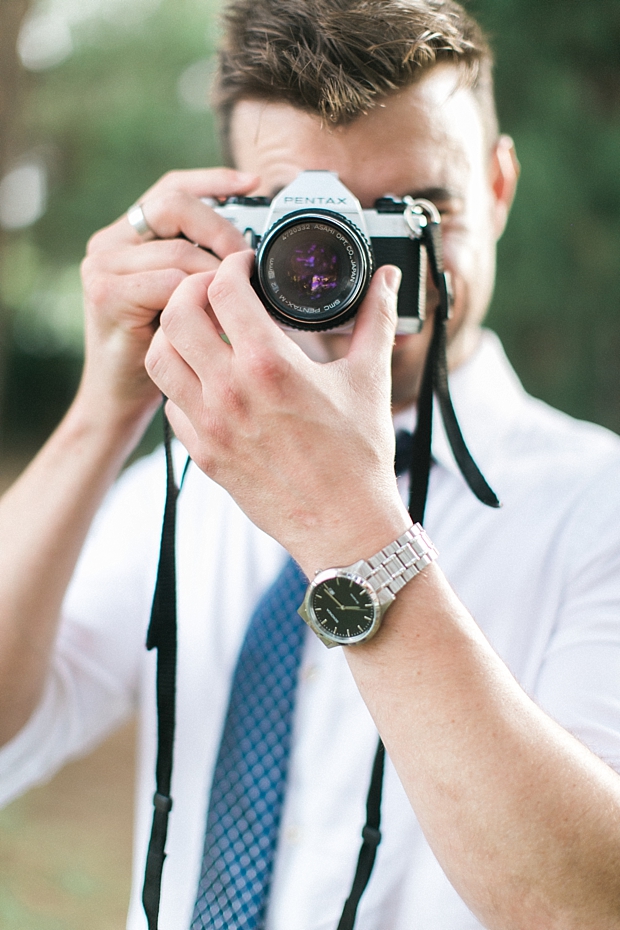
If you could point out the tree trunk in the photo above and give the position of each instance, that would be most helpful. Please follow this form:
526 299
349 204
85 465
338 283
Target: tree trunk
12 76
11 15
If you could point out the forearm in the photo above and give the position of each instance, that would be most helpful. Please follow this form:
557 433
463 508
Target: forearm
44 519
45 516
524 820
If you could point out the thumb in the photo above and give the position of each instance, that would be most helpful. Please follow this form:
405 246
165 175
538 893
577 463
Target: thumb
375 325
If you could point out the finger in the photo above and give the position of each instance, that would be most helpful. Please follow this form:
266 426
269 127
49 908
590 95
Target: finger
182 428
241 314
206 182
120 294
177 213
206 435
165 206
192 328
154 255
171 373
375 325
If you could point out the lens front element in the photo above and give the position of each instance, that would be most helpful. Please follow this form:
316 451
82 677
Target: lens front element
313 269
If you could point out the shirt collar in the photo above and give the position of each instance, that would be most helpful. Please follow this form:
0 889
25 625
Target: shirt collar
487 397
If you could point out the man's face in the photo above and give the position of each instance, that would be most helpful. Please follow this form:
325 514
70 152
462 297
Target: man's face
426 141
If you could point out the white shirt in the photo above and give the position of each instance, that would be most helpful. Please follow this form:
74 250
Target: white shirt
541 576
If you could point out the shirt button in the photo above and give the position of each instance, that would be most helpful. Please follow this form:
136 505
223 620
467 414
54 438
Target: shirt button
310 673
292 834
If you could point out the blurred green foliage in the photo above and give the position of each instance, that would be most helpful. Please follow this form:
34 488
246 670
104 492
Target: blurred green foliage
110 119
107 122
114 121
557 300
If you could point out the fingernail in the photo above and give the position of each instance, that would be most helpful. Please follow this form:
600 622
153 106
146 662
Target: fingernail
393 277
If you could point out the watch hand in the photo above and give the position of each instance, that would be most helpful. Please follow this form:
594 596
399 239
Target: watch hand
333 597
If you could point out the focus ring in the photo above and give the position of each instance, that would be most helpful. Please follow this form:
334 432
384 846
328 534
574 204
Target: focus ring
312 269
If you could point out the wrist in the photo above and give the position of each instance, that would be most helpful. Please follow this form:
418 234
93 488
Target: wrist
100 419
359 537
346 605
115 383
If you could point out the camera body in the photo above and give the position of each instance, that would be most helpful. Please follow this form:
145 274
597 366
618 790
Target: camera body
316 251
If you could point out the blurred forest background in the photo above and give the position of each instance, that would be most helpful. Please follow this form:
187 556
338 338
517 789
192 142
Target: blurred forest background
100 97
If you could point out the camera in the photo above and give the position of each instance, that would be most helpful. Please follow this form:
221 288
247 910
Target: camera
316 251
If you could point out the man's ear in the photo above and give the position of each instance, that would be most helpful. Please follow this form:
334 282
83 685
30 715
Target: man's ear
504 173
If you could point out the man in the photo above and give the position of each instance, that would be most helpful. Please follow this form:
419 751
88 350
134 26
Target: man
494 814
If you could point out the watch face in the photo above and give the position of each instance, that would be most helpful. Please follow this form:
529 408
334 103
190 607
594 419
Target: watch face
344 607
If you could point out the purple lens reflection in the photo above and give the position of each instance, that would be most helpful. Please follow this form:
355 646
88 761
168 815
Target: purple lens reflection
314 269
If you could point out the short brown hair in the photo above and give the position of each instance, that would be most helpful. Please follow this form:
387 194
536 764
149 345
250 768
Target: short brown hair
336 58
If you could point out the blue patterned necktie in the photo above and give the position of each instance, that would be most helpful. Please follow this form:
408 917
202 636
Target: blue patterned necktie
250 773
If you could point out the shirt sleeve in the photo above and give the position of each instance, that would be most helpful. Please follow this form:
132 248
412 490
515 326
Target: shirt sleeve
93 680
579 680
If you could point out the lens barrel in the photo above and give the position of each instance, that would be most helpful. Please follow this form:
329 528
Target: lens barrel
312 269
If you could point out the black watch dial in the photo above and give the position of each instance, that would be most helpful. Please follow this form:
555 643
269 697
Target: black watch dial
343 608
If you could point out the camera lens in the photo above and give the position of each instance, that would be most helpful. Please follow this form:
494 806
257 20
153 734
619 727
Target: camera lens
313 269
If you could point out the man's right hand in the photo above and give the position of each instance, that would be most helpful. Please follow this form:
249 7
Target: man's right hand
128 281
45 516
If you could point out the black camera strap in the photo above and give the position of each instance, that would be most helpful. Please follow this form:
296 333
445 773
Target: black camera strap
162 633
435 383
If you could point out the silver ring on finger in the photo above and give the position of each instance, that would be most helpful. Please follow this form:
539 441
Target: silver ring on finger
137 219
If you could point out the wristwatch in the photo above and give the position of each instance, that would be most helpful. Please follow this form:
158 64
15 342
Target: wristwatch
346 605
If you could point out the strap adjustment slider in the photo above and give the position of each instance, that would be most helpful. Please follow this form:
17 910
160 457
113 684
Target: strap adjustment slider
371 836
161 802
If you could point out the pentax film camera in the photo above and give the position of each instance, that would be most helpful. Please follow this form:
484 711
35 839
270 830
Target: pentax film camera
316 251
